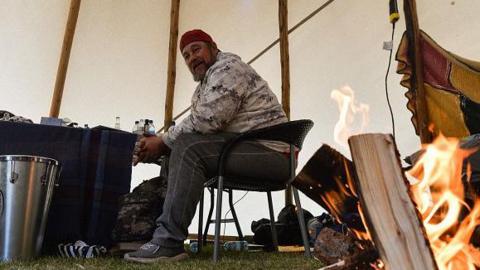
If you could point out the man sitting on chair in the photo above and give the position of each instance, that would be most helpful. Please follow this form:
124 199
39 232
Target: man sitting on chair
230 98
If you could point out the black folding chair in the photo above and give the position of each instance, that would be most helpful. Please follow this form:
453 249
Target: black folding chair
293 133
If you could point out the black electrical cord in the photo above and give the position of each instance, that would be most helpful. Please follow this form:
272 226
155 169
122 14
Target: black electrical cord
386 82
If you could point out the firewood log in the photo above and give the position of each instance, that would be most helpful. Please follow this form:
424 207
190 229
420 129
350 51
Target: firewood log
389 212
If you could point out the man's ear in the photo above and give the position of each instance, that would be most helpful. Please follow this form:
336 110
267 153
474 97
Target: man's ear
213 45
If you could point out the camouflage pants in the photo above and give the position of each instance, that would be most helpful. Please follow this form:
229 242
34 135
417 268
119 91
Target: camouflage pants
193 161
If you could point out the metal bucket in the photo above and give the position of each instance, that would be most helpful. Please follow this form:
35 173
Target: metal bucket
26 189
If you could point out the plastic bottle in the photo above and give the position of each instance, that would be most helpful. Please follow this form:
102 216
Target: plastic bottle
117 122
141 126
235 245
146 127
193 247
150 128
135 127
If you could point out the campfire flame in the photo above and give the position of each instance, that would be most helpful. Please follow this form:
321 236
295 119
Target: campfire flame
438 190
353 119
439 195
349 109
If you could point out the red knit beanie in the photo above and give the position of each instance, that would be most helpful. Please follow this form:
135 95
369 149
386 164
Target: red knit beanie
194 35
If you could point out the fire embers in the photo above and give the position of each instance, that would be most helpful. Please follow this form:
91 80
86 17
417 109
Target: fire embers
343 251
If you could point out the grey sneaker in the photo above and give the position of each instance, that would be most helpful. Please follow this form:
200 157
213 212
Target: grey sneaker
152 253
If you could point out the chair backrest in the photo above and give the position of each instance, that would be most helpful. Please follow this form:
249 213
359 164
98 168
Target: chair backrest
292 132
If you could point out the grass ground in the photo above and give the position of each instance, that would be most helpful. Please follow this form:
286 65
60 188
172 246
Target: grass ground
230 260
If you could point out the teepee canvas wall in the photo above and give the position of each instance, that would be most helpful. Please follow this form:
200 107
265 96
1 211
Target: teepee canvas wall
118 62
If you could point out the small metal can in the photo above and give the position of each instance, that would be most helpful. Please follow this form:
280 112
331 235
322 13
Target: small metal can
193 247
235 245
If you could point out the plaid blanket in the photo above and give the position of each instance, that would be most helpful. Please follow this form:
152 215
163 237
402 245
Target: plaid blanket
452 88
96 171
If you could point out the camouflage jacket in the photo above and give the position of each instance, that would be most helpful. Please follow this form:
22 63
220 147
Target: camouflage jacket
231 98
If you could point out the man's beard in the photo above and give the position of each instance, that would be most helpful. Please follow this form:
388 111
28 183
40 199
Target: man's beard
197 77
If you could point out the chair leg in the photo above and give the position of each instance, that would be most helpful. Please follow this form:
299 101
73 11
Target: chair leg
209 218
234 215
218 217
301 221
272 222
200 223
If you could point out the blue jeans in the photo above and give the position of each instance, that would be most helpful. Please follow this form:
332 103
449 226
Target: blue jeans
193 161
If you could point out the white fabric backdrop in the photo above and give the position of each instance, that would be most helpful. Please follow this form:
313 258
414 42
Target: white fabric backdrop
119 59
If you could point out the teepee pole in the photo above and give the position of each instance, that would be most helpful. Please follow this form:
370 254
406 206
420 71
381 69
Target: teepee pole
415 55
64 58
172 60
285 69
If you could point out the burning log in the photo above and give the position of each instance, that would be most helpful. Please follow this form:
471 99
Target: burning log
450 212
326 179
389 213
342 251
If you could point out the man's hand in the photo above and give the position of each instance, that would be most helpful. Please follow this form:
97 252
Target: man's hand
150 149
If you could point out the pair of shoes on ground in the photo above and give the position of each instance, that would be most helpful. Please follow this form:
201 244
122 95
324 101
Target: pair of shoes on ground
152 253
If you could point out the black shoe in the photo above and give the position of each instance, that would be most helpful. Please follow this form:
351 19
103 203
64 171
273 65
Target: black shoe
152 253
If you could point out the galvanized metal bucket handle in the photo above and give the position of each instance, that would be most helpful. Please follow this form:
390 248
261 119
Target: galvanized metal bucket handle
57 177
1 203
13 173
